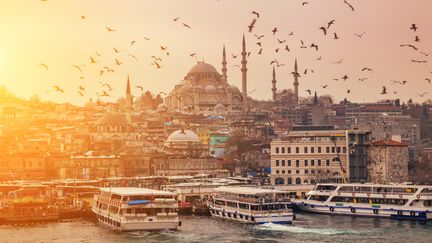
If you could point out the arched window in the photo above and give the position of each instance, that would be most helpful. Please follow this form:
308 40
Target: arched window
305 182
298 180
312 181
289 181
279 181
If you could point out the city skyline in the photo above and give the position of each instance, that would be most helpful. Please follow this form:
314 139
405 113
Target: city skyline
63 34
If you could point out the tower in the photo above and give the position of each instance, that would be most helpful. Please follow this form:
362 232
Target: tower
296 83
224 64
129 102
244 70
315 100
274 84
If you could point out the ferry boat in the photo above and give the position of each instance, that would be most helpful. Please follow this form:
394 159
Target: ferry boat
134 209
372 200
251 205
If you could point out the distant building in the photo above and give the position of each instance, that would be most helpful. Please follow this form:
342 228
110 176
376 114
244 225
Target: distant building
387 162
311 154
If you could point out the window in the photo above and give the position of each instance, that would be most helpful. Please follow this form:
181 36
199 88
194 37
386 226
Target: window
312 150
319 162
344 150
289 171
328 162
289 162
283 162
306 171
313 162
319 171
277 171
338 149
297 172
283 150
297 163
289 180
306 162
305 149
297 150
298 180
328 171
319 149
312 171
333 150
283 171
277 162
289 150
277 150
328 150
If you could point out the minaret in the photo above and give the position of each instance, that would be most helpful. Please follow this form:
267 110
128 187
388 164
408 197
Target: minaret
296 83
244 70
224 64
129 102
274 84
315 100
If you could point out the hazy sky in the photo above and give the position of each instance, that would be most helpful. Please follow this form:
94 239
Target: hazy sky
52 32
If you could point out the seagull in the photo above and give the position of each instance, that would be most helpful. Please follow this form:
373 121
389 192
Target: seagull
281 41
423 94
101 72
417 38
302 44
277 50
118 62
428 79
186 25
83 17
192 54
233 56
324 86
349 5
287 48
425 54
116 50
252 25
260 51
81 93
251 91
323 29
409 45
92 60
132 42
275 29
109 29
259 37
58 89
367 69
146 38
413 27
345 77
330 23
81 88
256 13
134 57
315 46
140 87
348 91
259 44
163 48
359 35
176 18
319 58
108 86
384 90
362 79
419 61
104 93
309 91
304 3
274 61
77 67
295 74
338 62
335 37
44 65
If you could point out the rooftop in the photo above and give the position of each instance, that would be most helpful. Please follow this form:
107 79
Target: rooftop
135 191
388 143
246 190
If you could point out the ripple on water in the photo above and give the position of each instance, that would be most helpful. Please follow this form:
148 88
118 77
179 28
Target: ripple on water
301 230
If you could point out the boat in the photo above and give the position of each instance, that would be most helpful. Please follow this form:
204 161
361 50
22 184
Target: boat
135 209
27 211
372 200
251 205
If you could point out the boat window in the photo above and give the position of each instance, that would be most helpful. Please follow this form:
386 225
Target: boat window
231 204
426 191
366 200
427 203
319 198
325 188
243 206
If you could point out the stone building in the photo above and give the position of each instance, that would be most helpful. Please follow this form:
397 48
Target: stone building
387 162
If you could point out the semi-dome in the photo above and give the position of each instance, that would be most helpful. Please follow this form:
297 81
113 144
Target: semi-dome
235 89
210 88
219 107
202 67
183 136
113 119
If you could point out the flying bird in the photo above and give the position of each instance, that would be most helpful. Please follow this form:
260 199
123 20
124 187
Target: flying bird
295 74
192 54
133 56
118 62
259 44
414 27
252 91
362 79
335 36
287 48
338 62
260 51
319 58
409 45
101 72
163 48
252 25
419 61
425 54
140 87
417 38
313 45
81 88
116 50
81 93
330 23
367 69
359 35
277 50
348 91
132 42
186 25
384 90
233 56
349 5
108 86
77 67
345 77
304 3
259 37
324 86
309 91
83 17
176 18
428 79
275 29
58 89
44 65
281 41
104 93
256 13
302 44
323 29
92 60
423 94
146 38
109 29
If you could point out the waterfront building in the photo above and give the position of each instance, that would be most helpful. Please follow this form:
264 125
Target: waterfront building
387 162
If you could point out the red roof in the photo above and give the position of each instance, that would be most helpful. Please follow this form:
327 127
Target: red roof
387 143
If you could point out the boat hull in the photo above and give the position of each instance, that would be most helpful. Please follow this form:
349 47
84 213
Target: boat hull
364 211
275 218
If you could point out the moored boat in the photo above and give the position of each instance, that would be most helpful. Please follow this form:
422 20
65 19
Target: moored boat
372 200
251 205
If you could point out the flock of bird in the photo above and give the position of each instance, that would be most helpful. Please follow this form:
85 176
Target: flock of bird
327 29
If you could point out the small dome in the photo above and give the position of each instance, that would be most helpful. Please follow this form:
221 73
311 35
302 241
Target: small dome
162 107
186 88
220 87
183 136
202 67
235 89
209 88
219 107
113 119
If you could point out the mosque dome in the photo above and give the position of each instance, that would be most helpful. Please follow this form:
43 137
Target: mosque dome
186 88
112 119
162 107
209 88
183 136
202 67
219 108
235 89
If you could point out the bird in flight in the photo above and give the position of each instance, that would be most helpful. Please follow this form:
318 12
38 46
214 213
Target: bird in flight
259 37
146 38
83 17
92 60
58 89
281 41
118 62
81 88
414 27
367 69
133 56
295 74
186 25
275 29
109 29
140 87
302 44
348 91
323 29
419 61
345 77
409 45
44 65
309 91
313 45
252 25
176 18
132 42
256 13
338 62
259 44
319 58
428 80
233 56
425 54
252 91
349 5
423 94
324 86
192 54
417 38
335 36
399 82
362 79
163 48
359 35
330 23
108 86
260 51
304 3
77 67
287 48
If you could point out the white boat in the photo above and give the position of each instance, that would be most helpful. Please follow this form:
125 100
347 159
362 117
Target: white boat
251 205
134 209
373 200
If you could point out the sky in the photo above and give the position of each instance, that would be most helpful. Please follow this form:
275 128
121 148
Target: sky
52 32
